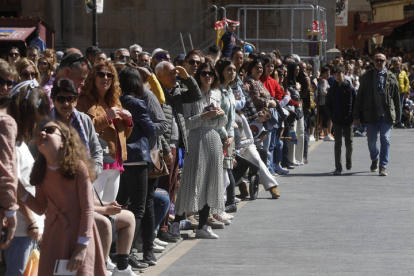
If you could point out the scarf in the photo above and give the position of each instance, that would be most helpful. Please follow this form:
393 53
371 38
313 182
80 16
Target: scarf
381 79
76 122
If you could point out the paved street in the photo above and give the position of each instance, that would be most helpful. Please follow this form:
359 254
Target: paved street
354 224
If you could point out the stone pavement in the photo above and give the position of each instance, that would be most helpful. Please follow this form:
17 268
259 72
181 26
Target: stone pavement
355 224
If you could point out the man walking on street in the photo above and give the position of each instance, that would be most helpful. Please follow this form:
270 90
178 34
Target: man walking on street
378 107
339 104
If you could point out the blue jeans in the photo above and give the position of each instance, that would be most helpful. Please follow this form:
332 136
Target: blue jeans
272 145
161 206
17 255
384 130
401 104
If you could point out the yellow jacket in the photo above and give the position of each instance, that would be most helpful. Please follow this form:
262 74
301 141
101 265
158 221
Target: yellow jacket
403 82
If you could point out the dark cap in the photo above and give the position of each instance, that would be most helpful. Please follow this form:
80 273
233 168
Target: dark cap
70 59
106 157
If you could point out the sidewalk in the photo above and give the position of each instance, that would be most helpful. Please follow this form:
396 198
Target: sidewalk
354 224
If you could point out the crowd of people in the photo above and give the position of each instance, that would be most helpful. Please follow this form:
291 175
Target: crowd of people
103 158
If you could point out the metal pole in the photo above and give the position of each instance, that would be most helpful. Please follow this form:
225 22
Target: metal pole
245 31
182 42
191 41
257 43
291 31
95 25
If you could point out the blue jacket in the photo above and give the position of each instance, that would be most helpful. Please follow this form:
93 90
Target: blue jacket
137 144
340 101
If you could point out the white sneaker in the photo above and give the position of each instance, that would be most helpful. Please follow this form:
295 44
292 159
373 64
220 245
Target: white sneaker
126 271
328 138
175 229
157 248
109 273
311 138
225 215
159 242
296 163
280 170
237 200
206 233
109 264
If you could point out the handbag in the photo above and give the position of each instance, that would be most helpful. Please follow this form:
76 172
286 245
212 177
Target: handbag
159 168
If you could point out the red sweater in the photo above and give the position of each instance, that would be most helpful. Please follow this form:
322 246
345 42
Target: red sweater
275 89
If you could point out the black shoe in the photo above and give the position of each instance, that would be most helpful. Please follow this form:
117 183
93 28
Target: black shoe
337 172
135 263
399 125
305 160
231 208
290 167
149 258
348 164
374 165
382 171
167 237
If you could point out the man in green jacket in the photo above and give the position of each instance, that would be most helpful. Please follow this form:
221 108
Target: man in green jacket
378 107
403 83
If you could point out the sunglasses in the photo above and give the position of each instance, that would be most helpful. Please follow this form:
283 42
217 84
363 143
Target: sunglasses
83 60
44 63
9 83
69 99
14 54
123 57
28 75
51 130
379 60
103 75
207 73
161 57
193 61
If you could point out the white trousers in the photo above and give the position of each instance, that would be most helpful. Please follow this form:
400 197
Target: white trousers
266 178
107 185
296 152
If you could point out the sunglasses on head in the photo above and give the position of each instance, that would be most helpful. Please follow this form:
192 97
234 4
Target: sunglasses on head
14 54
9 83
123 57
103 75
83 60
161 57
193 61
207 73
50 129
28 75
69 99
379 60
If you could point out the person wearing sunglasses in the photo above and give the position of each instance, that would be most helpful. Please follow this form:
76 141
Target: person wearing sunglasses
45 70
191 62
7 76
100 101
27 70
378 107
122 55
73 66
13 55
159 55
50 54
28 105
62 176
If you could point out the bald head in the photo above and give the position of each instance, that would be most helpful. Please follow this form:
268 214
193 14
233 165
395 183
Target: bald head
380 61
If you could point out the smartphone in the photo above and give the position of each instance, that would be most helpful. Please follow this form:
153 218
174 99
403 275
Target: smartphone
3 237
209 107
263 133
60 268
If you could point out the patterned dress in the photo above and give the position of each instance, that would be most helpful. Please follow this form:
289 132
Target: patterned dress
202 180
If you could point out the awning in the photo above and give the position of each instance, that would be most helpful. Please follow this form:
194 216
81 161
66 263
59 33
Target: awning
15 34
378 29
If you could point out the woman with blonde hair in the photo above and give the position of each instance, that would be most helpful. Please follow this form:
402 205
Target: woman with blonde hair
45 69
100 101
50 54
27 70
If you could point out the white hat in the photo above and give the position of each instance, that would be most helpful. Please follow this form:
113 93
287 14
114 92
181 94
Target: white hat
159 50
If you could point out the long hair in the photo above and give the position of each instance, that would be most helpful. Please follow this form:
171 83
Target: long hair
45 77
28 107
267 60
130 82
52 59
71 154
220 66
114 91
209 65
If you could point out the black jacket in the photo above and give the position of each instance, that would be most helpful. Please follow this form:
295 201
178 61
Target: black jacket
340 101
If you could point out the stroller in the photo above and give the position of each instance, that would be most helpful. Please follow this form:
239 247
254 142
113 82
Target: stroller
253 175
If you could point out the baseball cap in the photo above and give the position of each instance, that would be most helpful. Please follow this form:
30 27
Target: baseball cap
159 51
